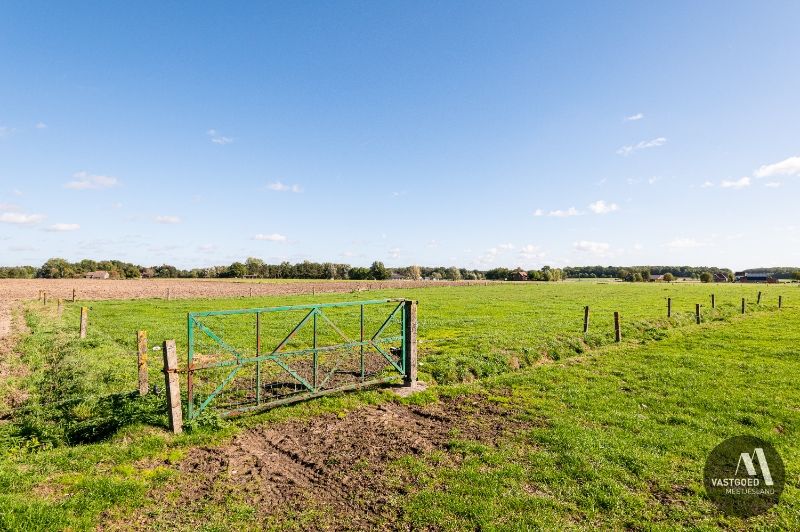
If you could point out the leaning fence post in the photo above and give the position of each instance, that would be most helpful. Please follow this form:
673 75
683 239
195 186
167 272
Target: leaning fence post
758 301
617 332
84 321
141 359
410 334
697 313
586 319
174 412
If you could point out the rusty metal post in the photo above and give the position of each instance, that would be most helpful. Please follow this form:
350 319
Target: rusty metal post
141 343
410 345
617 331
174 412
84 321
586 319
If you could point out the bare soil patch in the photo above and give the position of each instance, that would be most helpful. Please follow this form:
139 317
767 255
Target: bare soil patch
88 289
336 465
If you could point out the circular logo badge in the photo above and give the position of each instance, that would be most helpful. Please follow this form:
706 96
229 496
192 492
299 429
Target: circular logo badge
744 476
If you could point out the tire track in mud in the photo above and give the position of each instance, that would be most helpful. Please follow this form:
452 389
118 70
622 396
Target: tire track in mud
329 463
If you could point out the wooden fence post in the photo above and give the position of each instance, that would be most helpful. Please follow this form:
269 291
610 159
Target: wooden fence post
743 305
780 301
174 412
84 321
60 307
713 301
697 313
411 343
617 332
141 359
758 301
39 297
73 295
586 319
169 294
669 307
44 298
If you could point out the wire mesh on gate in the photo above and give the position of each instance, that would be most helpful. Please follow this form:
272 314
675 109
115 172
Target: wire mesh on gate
241 360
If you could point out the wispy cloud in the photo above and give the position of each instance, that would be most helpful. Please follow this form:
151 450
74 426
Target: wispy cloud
59 228
21 218
87 181
531 252
629 149
218 138
6 131
773 184
558 213
273 237
9 207
633 118
707 184
788 167
592 248
40 125
394 253
735 184
684 243
601 207
167 219
277 186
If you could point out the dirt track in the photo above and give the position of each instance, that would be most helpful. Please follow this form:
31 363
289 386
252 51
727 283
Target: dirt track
338 466
86 289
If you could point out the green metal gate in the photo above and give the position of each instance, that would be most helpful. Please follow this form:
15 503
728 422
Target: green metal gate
313 350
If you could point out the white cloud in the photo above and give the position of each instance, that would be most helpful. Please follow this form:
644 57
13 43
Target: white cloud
627 150
653 180
217 138
684 243
277 186
432 244
167 219
633 118
9 207
790 166
530 252
707 184
63 227
5 131
558 213
773 184
40 125
20 218
594 248
206 248
86 181
737 184
505 247
601 207
274 237
394 253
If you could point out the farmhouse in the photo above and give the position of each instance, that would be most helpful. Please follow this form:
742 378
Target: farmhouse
761 277
656 277
99 274
720 278
518 275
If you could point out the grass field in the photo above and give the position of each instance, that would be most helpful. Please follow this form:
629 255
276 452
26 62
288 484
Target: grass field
599 434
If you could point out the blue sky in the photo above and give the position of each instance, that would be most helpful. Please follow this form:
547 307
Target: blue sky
475 134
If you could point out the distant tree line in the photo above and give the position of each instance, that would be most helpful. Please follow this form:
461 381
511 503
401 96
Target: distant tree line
57 268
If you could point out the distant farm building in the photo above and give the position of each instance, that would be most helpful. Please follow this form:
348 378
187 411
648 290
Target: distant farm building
742 277
100 274
657 277
518 275
720 278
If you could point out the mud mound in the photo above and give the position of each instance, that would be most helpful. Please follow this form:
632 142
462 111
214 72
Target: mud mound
329 463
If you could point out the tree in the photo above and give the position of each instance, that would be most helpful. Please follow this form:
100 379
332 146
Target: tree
358 273
254 266
453 274
706 277
637 277
378 271
237 269
668 278
56 269
414 273
796 275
